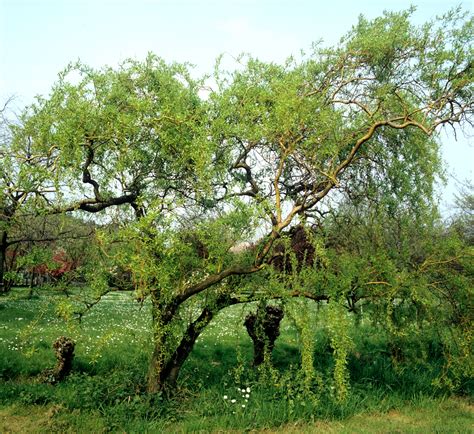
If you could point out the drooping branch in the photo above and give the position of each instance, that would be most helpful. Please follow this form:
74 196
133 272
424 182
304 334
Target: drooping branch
396 123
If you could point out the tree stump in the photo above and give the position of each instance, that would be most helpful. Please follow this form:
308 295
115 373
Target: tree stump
264 328
64 352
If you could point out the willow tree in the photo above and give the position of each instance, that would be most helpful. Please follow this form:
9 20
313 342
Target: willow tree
280 141
27 179
294 135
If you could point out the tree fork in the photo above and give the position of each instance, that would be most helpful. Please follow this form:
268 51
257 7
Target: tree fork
163 374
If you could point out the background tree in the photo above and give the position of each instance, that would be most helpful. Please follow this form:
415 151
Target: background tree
48 248
410 278
24 178
464 218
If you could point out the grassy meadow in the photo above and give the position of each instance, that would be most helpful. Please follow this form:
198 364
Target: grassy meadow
218 388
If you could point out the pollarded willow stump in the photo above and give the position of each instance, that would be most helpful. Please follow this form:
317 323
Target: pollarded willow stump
64 352
264 328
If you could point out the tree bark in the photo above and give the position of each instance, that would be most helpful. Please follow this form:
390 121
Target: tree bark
160 319
3 259
170 373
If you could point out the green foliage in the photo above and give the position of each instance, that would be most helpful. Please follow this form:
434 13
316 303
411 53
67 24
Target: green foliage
141 116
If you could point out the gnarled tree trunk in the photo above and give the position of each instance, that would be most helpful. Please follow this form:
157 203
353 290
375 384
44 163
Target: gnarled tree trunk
165 364
264 328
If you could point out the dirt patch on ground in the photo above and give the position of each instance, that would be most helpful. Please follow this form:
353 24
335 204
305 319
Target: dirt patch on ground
14 420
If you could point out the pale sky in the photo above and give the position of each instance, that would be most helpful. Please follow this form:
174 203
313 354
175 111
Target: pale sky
38 38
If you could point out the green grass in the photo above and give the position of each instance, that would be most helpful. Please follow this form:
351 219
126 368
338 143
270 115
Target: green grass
106 390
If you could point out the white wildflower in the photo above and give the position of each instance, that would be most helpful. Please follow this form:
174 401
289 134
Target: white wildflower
247 396
248 390
225 396
233 401
243 405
